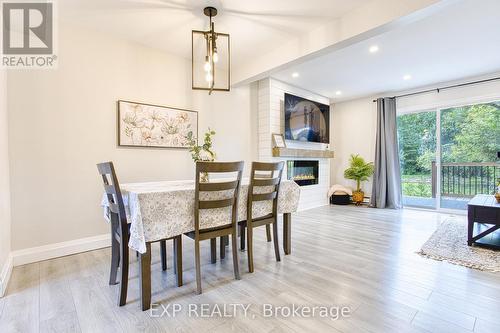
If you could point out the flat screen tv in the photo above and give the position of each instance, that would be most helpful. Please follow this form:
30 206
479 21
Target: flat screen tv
306 120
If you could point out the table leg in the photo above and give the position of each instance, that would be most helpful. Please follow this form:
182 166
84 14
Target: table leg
470 229
163 255
287 233
174 249
213 250
145 277
222 240
178 259
242 237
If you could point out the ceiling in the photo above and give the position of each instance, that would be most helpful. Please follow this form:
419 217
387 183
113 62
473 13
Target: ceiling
461 41
255 26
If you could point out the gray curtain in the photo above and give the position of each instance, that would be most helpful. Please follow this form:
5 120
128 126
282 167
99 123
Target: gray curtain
386 190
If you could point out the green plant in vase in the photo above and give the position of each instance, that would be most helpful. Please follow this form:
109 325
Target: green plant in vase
202 152
360 171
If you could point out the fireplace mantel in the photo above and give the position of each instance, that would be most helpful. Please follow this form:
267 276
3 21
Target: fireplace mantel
307 153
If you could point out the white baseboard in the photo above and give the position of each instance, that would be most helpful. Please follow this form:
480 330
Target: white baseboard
45 252
5 273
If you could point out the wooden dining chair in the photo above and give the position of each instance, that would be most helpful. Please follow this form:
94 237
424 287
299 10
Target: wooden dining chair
120 233
219 197
242 224
265 180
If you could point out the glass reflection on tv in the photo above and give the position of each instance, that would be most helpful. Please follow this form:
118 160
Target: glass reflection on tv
306 120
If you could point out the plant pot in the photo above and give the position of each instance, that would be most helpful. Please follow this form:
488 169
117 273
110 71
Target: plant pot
497 196
357 197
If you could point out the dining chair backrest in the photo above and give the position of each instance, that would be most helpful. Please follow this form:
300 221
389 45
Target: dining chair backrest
265 180
116 206
219 194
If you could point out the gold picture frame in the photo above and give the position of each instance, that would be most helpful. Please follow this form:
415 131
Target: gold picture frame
278 140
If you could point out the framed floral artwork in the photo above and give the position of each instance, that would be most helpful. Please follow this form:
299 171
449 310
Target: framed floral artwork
155 126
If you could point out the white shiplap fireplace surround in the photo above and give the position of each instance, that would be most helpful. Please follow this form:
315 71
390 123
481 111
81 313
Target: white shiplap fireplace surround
271 120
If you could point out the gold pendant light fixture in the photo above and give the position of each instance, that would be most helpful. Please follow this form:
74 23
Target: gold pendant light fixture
210 57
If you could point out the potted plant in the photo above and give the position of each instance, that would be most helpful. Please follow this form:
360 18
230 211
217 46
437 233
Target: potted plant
201 152
360 171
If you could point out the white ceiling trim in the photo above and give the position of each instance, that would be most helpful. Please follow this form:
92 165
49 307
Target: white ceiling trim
449 45
378 17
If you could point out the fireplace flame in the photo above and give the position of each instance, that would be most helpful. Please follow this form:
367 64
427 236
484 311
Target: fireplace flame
304 177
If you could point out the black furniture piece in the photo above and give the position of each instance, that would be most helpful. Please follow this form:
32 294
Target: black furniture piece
483 217
340 199
119 241
266 176
203 201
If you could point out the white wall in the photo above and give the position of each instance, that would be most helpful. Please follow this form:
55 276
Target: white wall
354 129
5 221
234 117
62 122
354 122
271 120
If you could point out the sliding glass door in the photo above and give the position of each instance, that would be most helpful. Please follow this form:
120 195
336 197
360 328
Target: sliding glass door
417 152
448 155
470 139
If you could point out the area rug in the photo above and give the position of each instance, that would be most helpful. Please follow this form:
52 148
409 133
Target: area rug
449 243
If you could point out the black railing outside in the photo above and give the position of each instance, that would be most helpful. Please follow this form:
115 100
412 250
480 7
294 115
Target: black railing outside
467 179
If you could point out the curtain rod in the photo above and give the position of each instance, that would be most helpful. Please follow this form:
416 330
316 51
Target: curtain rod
447 87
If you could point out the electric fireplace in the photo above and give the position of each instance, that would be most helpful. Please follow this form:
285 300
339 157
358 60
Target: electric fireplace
303 172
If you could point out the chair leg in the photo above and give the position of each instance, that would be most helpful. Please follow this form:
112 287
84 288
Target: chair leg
163 254
115 260
122 299
197 264
276 242
178 259
242 237
213 250
250 247
222 247
268 232
234 247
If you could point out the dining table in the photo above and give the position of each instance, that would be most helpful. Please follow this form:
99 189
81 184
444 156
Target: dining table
165 209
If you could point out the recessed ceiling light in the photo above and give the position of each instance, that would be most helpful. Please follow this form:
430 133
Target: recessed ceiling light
407 77
373 49
338 93
295 74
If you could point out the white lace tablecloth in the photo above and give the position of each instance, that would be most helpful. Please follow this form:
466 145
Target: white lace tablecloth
159 210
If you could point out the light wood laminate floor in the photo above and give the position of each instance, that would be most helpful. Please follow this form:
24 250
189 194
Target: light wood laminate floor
341 256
